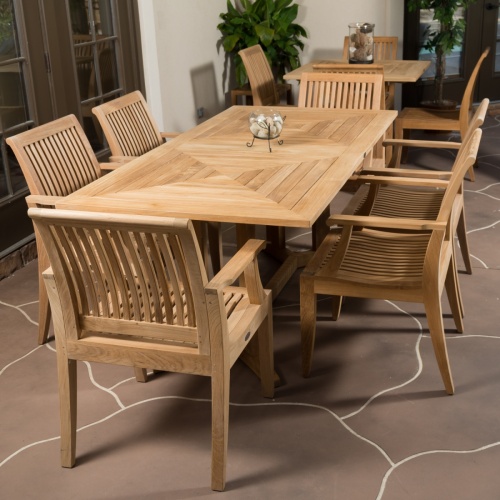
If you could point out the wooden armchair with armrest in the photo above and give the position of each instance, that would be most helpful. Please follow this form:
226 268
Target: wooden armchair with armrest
56 159
401 259
133 290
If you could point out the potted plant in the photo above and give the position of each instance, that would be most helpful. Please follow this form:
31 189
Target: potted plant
269 23
442 39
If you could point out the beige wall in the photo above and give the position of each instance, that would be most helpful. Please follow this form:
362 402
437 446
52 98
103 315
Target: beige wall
184 70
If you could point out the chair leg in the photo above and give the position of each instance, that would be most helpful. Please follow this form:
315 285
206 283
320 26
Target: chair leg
215 245
464 244
472 175
435 323
401 133
141 374
454 295
336 306
43 299
67 408
308 309
43 311
220 423
266 353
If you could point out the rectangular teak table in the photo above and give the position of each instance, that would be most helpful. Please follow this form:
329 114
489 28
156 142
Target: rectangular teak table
210 173
395 70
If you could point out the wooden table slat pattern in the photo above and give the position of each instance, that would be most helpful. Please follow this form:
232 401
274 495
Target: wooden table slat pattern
395 70
210 174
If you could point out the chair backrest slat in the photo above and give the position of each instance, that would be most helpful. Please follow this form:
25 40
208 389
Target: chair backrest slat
466 105
465 159
128 125
260 76
56 158
341 90
132 271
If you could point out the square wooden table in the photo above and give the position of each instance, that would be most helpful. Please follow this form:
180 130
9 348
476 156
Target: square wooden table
395 70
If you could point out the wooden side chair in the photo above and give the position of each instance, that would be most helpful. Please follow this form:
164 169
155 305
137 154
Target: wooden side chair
133 290
416 200
265 90
433 119
56 159
360 68
400 259
341 90
384 48
131 131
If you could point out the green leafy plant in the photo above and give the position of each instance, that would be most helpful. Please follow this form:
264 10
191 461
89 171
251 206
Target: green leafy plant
442 39
269 23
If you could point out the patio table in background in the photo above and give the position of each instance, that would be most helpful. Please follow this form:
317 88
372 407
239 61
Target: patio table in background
395 70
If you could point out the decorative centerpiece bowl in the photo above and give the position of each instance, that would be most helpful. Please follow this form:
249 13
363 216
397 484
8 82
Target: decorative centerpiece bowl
265 125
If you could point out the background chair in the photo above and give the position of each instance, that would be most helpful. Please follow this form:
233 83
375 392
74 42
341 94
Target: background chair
396 259
56 160
341 90
328 67
133 291
131 131
129 126
265 91
435 119
416 199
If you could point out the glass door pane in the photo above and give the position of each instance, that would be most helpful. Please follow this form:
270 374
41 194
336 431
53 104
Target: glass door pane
94 39
14 113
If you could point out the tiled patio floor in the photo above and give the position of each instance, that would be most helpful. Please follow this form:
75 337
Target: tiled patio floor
372 422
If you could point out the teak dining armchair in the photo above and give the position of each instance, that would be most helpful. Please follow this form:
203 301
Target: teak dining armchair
56 159
129 126
409 260
434 119
416 200
133 290
131 131
265 90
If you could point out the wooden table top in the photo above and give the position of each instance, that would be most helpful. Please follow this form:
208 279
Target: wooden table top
395 71
210 174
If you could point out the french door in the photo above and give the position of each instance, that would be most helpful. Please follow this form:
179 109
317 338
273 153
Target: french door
482 30
74 51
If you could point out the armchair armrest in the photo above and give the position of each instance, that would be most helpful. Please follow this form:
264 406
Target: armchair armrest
404 172
385 222
419 143
169 135
121 159
110 165
402 181
244 261
42 201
